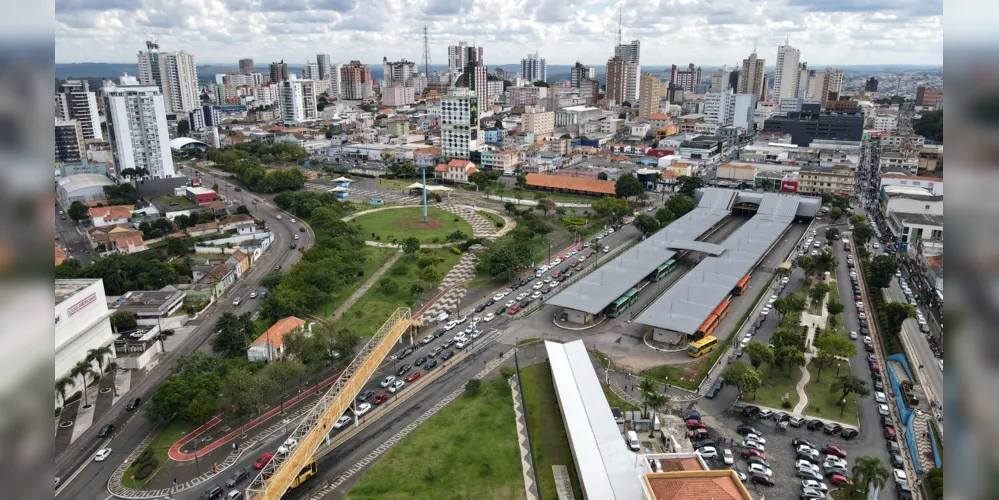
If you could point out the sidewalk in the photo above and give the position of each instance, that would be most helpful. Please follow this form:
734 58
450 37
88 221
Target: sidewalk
364 288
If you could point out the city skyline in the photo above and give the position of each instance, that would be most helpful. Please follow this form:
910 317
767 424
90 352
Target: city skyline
712 34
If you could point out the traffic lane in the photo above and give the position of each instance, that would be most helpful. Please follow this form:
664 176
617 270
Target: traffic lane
924 355
91 480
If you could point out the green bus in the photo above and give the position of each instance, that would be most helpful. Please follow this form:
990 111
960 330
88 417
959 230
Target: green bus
663 270
622 303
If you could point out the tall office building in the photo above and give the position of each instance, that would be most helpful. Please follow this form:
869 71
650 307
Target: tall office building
458 57
730 109
69 141
297 100
871 85
788 72
720 80
753 77
77 102
279 71
310 71
459 124
474 76
578 73
246 66
174 74
355 81
830 81
631 52
533 68
650 93
323 60
620 71
399 72
137 127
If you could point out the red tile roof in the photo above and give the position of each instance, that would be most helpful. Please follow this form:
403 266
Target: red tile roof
275 334
458 163
112 212
581 184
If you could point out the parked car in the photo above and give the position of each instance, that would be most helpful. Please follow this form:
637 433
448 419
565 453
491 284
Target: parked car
831 449
814 424
815 485
764 413
744 429
796 442
832 427
839 480
364 396
396 386
380 398
708 452
727 457
430 365
133 404
750 411
362 408
752 452
758 478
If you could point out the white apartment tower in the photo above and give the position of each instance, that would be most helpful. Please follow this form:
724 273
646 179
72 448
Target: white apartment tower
730 109
77 102
402 72
631 52
458 57
788 72
174 74
533 68
137 127
297 100
459 124
310 71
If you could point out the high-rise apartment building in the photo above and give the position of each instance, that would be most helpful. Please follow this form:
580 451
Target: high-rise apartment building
533 68
174 74
537 121
459 124
77 102
730 109
323 61
310 71
831 83
788 72
399 72
753 77
720 80
334 79
355 81
631 52
246 66
474 76
650 93
928 97
871 85
620 71
279 71
458 57
297 100
578 73
688 79
137 127
69 141
805 78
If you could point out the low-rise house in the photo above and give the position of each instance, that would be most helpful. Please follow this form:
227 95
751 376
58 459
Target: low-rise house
269 346
231 223
240 262
111 215
455 171
130 242
221 276
203 229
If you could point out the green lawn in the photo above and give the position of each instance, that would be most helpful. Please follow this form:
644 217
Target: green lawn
166 200
497 220
683 375
774 387
544 418
402 223
160 445
398 184
467 450
834 297
377 304
823 403
375 258
617 402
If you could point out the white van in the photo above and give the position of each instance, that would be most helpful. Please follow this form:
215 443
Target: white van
632 440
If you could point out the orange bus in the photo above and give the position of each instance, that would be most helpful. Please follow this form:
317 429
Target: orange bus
741 286
722 310
707 327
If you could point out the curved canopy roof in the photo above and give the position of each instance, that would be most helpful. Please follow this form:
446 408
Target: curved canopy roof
186 142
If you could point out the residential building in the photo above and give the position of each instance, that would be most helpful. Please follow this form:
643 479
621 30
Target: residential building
335 89
456 171
246 66
269 346
297 100
458 57
474 76
110 215
278 71
898 161
686 80
501 161
82 323
721 80
930 158
649 96
355 81
630 52
323 61
885 120
174 74
620 72
871 85
533 68
928 97
836 180
69 146
494 88
831 81
77 102
810 124
729 108
788 72
310 71
137 127
578 73
752 78
540 123
459 124
398 72
525 96
398 96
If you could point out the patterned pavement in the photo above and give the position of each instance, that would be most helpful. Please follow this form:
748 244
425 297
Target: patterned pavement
481 226
526 462
366 193
463 271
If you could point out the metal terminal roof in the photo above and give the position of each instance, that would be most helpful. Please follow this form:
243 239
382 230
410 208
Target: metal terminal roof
697 246
691 299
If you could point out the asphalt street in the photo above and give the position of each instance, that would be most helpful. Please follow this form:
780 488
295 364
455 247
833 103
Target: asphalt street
74 239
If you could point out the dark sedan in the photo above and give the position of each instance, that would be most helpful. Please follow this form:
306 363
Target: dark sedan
430 364
419 362
366 395
237 477
814 425
403 369
447 355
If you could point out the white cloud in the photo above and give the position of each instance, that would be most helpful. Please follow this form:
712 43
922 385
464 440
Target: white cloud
706 32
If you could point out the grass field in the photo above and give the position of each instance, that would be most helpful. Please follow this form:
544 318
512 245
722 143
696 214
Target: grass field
377 304
617 402
160 445
398 184
544 419
822 402
401 223
467 450
497 220
834 297
774 387
376 257
166 200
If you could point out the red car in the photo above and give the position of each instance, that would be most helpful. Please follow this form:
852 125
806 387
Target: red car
889 433
875 368
753 452
695 424
410 378
513 310
832 449
557 275
380 398
262 461
760 478
839 480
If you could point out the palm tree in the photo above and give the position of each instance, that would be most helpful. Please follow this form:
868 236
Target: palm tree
113 370
655 401
868 472
83 369
99 355
61 385
598 247
647 386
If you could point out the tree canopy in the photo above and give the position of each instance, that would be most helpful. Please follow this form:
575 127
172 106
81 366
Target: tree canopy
628 185
930 126
882 269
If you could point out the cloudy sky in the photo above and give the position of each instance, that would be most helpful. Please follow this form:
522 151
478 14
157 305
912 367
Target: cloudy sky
706 32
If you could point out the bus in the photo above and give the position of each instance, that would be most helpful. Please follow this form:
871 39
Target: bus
722 310
308 471
708 327
741 286
663 270
701 347
623 302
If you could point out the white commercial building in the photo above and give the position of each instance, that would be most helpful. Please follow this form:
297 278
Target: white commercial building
788 72
137 125
533 68
459 124
77 102
174 74
297 100
81 324
885 121
576 115
932 185
729 108
398 96
540 123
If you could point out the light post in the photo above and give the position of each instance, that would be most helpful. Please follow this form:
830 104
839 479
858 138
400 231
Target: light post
837 368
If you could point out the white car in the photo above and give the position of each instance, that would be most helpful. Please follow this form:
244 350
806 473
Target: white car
727 457
708 452
442 316
753 444
756 437
880 397
833 461
876 245
236 301
394 388
475 334
883 410
522 296
342 421
253 295
462 319
815 485
510 303
854 335
489 317
279 217
449 326
808 450
387 381
293 221
805 464
288 445
544 269
362 409
102 454
499 296
581 258
556 262
760 469
867 340
554 284
536 295
899 476
785 280
539 285
548 279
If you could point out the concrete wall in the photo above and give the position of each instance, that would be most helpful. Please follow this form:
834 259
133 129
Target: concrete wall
579 317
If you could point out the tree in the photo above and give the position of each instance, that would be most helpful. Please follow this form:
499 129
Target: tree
175 246
751 382
835 213
626 104
930 126
232 335
862 232
77 211
788 356
869 472
183 127
832 347
818 292
241 393
283 373
410 246
541 83
882 269
679 205
473 387
611 208
759 354
654 401
628 185
827 198
647 386
834 307
99 355
735 373
546 205
895 313
565 136
796 302
825 261
61 386
521 181
83 369
688 185
665 216
123 321
782 305
849 384
646 224
599 248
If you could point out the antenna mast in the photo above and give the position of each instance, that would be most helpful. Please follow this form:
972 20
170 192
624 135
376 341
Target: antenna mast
619 25
426 53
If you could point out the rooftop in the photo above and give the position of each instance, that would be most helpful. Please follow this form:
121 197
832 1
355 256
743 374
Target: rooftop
84 181
148 301
920 219
275 334
200 190
571 183
695 485
66 288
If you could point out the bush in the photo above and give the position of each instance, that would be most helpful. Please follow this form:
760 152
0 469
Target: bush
574 221
507 371
425 261
499 225
456 250
456 219
473 387
144 472
786 404
400 270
